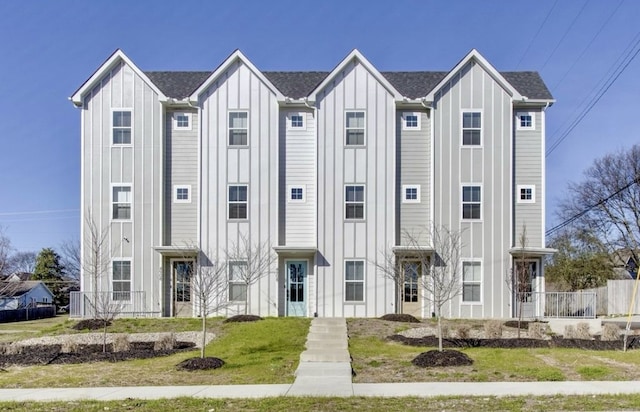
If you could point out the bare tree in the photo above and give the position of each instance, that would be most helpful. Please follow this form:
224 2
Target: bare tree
5 253
248 263
519 276
23 262
389 266
71 258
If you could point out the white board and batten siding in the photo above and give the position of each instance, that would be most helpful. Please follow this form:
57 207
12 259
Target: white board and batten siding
528 169
355 88
486 240
239 89
138 164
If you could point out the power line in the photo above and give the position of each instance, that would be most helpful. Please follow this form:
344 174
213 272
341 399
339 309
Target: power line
526 51
564 35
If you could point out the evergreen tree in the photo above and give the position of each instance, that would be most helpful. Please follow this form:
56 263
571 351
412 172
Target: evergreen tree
50 270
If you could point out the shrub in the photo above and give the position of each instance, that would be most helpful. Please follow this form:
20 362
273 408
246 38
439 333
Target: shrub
400 317
12 349
610 331
493 329
570 332
445 331
69 346
463 331
121 343
537 330
582 331
166 342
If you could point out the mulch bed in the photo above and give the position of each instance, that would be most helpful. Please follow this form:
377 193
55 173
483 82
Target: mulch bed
554 342
196 364
447 357
242 318
400 317
52 355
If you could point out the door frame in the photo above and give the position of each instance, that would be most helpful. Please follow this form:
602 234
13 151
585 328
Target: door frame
532 306
172 287
306 285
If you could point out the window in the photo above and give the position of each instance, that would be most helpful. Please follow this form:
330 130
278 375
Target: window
354 130
471 281
411 121
182 194
471 202
121 202
296 194
121 280
354 281
237 286
121 127
296 121
526 194
411 194
411 275
525 121
182 121
354 202
471 128
238 202
238 128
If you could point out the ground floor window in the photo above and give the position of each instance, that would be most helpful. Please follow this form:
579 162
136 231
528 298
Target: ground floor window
121 280
237 287
354 281
471 281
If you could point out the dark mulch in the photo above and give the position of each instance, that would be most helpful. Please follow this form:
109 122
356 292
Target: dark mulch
242 318
400 317
448 357
554 342
52 355
198 364
91 324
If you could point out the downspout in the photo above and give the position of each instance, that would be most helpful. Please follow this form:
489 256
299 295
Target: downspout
431 184
315 172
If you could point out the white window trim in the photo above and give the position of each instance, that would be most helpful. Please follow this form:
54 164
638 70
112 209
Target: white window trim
404 193
404 121
290 125
462 128
481 282
462 202
363 281
175 194
175 120
130 186
304 193
111 280
364 203
236 282
229 128
364 128
519 198
533 121
121 109
229 202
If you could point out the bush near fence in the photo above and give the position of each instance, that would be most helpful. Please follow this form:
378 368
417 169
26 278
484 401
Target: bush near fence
19 315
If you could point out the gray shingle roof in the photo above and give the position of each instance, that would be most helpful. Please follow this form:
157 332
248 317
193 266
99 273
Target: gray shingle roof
299 84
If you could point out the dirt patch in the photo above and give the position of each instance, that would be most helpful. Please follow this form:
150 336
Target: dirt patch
435 358
53 355
568 372
90 324
400 317
196 364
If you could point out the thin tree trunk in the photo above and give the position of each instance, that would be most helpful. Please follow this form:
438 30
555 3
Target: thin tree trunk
204 333
104 338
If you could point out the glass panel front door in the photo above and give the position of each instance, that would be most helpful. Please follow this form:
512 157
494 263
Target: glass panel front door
296 287
182 272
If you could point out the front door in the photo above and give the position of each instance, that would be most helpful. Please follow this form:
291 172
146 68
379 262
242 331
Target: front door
411 272
182 271
296 287
526 273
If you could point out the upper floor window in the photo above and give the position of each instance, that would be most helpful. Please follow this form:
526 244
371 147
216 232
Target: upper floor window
525 121
354 128
121 280
296 121
238 128
526 194
296 193
411 121
471 281
121 201
354 202
238 202
354 281
121 127
237 284
182 194
182 121
471 202
471 128
411 194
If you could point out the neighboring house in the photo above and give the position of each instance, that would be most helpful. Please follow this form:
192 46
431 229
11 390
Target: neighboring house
19 277
329 168
624 263
23 294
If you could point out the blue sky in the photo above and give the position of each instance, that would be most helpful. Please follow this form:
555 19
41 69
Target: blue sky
50 47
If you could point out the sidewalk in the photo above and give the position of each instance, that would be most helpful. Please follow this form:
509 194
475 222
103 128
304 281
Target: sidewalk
325 370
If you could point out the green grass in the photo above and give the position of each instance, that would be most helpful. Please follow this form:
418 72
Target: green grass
303 404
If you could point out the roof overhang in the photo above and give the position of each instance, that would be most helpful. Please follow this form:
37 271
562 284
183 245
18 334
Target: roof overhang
177 251
526 102
532 251
295 250
412 250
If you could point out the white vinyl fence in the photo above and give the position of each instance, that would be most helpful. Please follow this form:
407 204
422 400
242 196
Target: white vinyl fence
570 305
619 296
96 304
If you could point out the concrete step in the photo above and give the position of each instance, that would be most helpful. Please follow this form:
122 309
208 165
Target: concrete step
323 355
324 369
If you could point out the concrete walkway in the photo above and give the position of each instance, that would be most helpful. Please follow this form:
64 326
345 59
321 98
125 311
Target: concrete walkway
324 370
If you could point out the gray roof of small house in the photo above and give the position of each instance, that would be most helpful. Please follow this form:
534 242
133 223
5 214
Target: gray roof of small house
13 289
296 85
